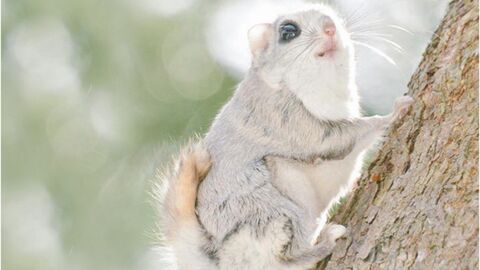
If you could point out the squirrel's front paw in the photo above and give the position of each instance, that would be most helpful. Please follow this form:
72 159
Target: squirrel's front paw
330 233
335 231
401 106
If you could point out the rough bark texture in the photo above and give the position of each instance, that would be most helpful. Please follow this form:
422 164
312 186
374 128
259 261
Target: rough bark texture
416 207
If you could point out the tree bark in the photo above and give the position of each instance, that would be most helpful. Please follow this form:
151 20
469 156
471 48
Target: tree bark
416 207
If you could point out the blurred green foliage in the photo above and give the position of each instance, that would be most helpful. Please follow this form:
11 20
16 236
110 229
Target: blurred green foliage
79 154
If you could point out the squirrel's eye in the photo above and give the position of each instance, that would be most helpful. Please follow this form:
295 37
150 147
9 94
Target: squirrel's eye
289 31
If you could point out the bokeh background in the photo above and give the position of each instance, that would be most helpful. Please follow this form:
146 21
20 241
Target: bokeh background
98 94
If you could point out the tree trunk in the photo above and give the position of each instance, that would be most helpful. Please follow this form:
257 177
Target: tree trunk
416 207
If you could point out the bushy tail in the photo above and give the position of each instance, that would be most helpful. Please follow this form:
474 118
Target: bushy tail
182 231
181 195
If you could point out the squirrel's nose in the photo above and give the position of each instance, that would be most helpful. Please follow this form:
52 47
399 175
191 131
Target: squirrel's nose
329 26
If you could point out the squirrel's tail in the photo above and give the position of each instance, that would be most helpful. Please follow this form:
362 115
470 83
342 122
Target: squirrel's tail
182 231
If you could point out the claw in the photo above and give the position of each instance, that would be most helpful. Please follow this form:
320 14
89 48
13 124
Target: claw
336 231
401 106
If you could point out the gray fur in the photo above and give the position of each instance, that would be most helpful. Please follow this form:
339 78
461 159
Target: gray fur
264 121
238 190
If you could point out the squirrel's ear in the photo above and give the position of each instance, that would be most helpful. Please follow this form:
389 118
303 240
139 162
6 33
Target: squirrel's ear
258 37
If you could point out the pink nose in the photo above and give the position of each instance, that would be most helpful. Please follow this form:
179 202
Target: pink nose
329 27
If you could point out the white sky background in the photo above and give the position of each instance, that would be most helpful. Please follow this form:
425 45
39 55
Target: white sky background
379 81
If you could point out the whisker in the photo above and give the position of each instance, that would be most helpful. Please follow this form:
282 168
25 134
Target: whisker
394 26
376 26
301 44
309 30
393 43
298 45
365 21
375 50
311 34
370 33
302 52
370 22
431 33
356 15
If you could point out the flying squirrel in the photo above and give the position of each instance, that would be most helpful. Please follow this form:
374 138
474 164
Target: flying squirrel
279 152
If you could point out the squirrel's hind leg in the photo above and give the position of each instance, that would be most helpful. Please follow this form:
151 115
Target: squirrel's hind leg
296 251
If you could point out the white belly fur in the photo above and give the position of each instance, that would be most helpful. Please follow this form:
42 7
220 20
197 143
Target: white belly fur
316 186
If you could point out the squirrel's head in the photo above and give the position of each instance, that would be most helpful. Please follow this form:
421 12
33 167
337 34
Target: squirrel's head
301 48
